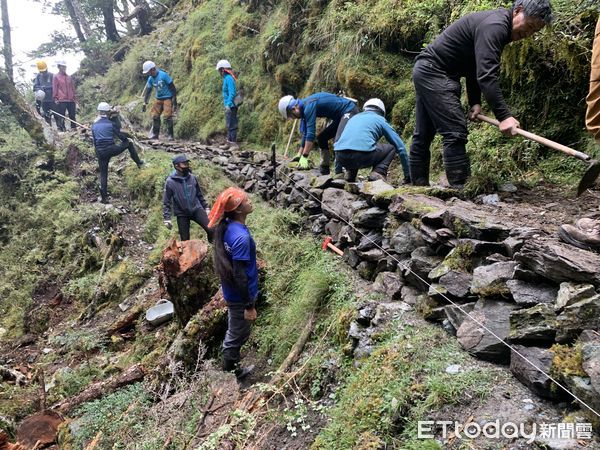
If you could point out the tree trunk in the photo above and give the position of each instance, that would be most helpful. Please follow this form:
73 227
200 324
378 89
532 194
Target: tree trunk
7 49
74 21
78 12
41 135
125 12
108 13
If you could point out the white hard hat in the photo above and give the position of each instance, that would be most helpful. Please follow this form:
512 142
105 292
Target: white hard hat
284 102
40 95
374 103
61 62
147 67
223 64
103 107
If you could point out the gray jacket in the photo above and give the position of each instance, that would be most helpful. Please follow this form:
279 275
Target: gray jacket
185 195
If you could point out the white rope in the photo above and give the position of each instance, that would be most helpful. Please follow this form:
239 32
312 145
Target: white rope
467 314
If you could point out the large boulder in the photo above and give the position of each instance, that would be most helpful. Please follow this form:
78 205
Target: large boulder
337 203
389 284
406 238
536 324
410 206
495 316
529 294
422 261
590 353
456 316
456 283
489 281
535 380
570 293
372 218
481 222
583 315
560 262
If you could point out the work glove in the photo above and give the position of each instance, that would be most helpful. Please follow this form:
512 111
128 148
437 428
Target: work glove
144 107
207 210
303 163
169 224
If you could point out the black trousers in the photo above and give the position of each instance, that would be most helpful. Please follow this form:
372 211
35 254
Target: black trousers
438 110
105 154
379 159
62 108
184 222
238 331
333 131
231 121
47 108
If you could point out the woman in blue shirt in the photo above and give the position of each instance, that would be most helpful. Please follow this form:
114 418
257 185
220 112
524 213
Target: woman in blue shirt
235 262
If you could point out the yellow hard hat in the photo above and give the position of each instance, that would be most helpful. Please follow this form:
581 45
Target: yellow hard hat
41 65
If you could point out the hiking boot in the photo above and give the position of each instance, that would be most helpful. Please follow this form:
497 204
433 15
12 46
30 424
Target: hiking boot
242 372
140 164
585 234
351 175
324 170
374 176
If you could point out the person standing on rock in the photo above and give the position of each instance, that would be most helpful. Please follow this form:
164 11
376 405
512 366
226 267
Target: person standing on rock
358 147
63 91
166 98
104 132
235 262
42 89
586 231
471 48
322 104
183 191
231 99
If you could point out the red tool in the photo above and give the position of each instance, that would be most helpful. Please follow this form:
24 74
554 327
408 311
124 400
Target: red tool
328 245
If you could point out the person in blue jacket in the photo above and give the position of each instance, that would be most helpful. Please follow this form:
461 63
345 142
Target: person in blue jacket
235 262
104 132
358 146
231 100
183 191
166 98
322 104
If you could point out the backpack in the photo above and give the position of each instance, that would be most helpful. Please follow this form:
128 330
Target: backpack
239 97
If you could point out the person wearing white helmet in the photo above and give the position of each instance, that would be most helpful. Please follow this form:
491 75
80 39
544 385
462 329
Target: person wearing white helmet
63 91
322 104
42 89
231 99
104 132
358 146
166 98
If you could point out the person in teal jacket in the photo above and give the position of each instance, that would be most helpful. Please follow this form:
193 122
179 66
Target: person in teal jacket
322 104
231 100
358 146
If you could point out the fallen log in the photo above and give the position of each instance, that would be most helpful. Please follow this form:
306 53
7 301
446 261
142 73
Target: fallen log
125 322
39 430
132 375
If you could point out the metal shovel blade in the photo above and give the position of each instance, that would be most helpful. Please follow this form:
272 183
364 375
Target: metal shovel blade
589 177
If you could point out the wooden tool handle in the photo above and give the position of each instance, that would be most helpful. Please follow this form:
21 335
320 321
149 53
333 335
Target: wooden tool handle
541 140
335 249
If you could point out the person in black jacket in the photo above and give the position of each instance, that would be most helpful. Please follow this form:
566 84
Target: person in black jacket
104 132
471 48
183 191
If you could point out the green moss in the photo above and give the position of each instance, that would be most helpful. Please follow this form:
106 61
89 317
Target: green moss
460 257
567 361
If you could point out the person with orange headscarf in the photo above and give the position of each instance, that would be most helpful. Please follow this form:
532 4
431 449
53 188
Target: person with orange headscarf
235 261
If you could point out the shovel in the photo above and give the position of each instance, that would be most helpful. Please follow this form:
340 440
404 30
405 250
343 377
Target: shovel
590 175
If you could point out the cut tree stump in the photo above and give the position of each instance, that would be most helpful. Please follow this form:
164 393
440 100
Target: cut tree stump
39 430
96 390
187 276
